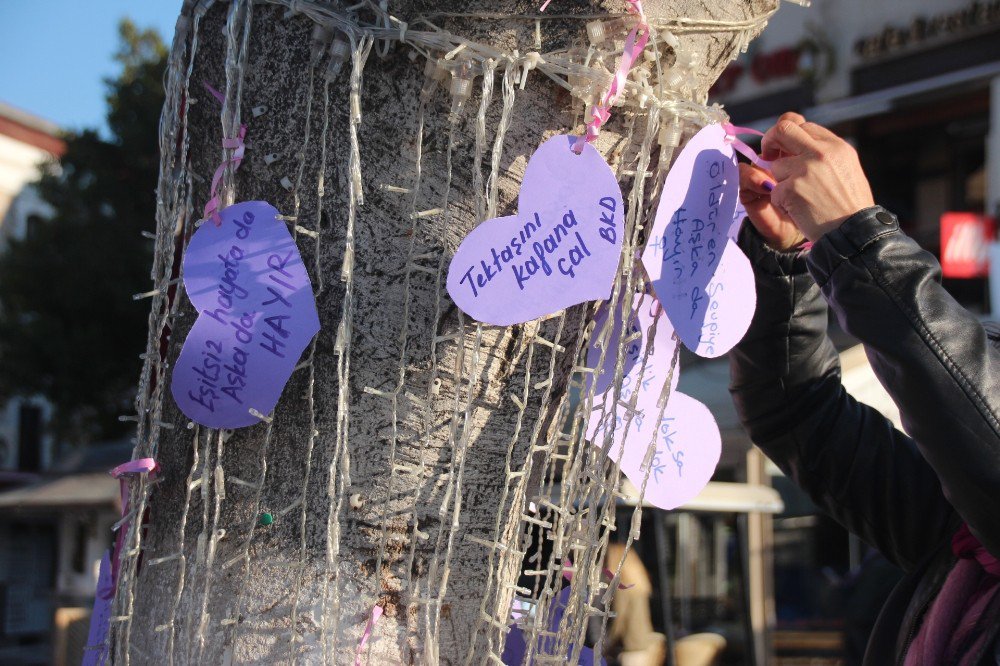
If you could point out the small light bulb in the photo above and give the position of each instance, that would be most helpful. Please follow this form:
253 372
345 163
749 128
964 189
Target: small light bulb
320 36
339 51
461 88
430 82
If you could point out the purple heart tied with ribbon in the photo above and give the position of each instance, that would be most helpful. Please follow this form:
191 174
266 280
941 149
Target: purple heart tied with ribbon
561 249
686 439
516 646
257 314
569 207
701 276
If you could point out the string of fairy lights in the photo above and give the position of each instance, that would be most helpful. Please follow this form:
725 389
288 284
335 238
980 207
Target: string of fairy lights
577 487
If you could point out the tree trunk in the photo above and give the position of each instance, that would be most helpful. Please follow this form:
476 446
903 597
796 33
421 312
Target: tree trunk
393 463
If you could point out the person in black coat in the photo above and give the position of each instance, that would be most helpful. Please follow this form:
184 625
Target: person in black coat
928 500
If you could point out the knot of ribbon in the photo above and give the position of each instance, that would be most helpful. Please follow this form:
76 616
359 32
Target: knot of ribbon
138 466
634 45
731 137
239 148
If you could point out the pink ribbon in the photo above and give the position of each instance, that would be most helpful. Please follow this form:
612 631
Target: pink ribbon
634 44
748 152
372 619
236 145
568 575
139 466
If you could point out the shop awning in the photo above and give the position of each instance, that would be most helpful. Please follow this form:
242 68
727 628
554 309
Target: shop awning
885 100
718 497
76 490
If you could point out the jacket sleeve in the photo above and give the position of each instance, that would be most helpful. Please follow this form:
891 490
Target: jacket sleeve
848 458
930 353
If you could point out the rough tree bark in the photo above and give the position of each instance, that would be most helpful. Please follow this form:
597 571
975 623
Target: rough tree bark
303 592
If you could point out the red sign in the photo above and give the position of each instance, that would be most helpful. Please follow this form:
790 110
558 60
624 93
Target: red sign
764 67
965 239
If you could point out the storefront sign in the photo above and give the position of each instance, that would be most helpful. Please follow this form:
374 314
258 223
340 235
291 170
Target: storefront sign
965 239
763 67
810 60
893 38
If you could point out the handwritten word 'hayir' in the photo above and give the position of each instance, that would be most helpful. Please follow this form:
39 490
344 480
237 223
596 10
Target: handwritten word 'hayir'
256 314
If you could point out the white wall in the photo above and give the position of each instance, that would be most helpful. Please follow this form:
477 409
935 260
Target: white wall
19 166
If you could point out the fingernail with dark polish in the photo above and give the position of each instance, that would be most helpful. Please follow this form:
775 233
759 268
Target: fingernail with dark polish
768 185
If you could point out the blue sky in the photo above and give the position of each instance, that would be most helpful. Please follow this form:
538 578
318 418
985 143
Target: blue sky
54 54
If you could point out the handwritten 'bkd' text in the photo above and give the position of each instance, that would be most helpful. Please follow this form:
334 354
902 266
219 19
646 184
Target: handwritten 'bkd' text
533 252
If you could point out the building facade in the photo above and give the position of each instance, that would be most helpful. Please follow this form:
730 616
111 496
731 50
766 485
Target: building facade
915 86
56 507
28 145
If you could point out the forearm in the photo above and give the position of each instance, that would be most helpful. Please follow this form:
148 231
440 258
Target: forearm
786 348
932 356
849 458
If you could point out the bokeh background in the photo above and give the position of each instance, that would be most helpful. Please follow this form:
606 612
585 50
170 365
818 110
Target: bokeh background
914 85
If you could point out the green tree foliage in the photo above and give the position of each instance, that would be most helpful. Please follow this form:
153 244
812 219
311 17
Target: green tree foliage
69 329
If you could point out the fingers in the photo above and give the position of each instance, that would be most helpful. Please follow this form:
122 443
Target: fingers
780 195
755 189
754 182
785 167
756 186
787 137
790 116
818 132
793 117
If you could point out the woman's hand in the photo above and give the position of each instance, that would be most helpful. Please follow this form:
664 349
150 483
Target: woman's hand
773 224
820 182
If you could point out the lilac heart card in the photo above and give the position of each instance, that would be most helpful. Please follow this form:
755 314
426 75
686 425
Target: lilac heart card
638 331
256 315
516 647
562 248
688 445
701 276
96 650
687 439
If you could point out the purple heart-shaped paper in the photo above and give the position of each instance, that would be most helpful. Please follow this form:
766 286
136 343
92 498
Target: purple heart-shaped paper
640 322
688 445
256 315
703 279
95 652
516 647
688 442
562 248
739 215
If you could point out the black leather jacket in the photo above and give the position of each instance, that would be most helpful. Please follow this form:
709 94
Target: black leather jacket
905 495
